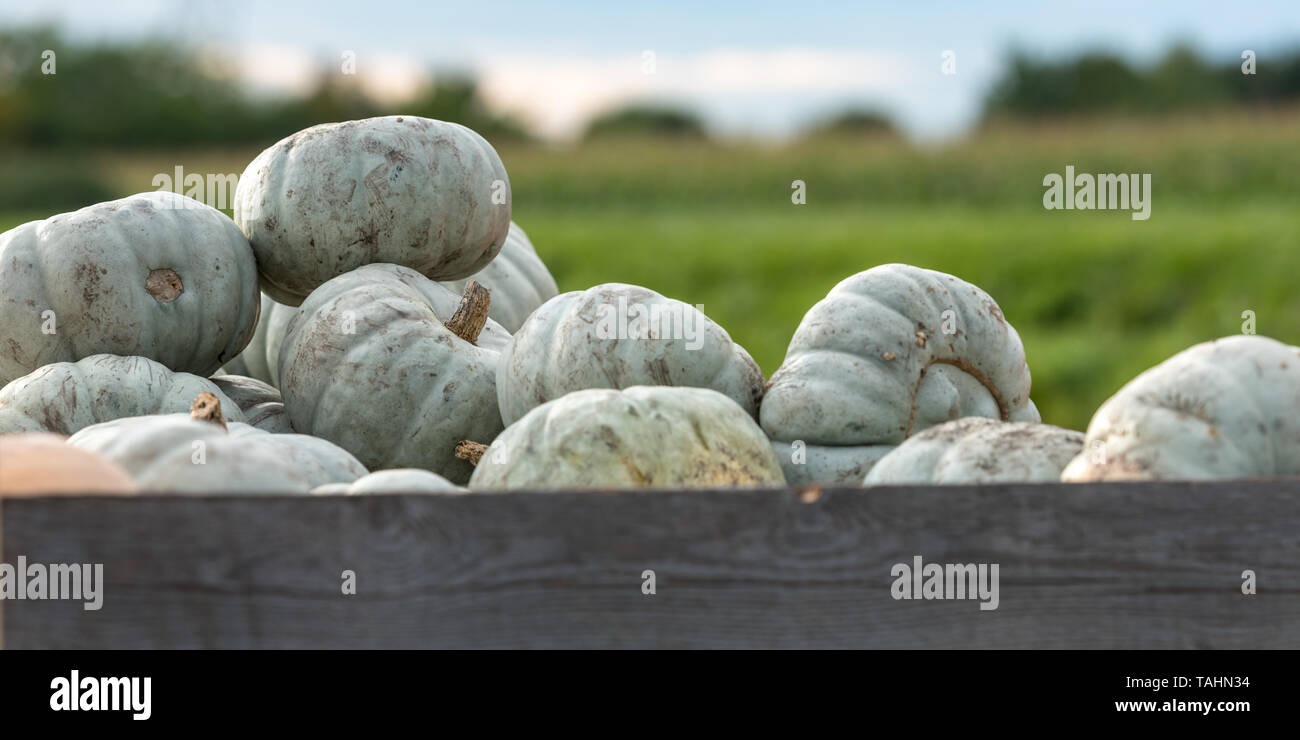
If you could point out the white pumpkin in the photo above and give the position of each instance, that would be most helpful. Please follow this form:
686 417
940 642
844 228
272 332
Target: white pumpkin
618 336
175 453
67 396
425 194
260 360
640 437
154 275
269 417
517 278
261 403
368 363
805 464
977 450
397 480
892 351
244 391
1229 408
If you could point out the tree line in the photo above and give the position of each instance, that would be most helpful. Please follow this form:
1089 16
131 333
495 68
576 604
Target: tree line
153 93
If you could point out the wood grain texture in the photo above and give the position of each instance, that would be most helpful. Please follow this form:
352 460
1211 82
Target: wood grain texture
1081 566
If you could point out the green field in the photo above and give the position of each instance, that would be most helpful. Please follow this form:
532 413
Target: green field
1096 296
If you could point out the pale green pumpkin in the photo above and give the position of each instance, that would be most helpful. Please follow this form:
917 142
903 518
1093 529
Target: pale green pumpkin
174 453
155 275
425 194
894 350
261 404
517 279
1229 408
976 450
639 437
67 396
244 391
618 336
828 465
368 363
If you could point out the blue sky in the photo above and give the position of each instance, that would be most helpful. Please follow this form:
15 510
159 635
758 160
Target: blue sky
762 67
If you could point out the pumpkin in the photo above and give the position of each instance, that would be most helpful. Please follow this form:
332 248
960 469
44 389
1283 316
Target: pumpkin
246 392
202 453
154 275
878 359
260 359
979 450
639 437
67 396
890 352
42 463
805 464
618 336
517 278
425 194
393 367
261 403
1228 408
269 417
397 480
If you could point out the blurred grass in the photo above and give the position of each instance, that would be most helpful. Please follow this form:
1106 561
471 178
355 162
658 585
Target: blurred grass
1097 297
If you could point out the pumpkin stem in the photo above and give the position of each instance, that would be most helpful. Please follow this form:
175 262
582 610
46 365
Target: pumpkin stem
472 313
471 451
207 407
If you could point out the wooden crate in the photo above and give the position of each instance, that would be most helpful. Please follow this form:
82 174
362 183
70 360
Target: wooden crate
1081 566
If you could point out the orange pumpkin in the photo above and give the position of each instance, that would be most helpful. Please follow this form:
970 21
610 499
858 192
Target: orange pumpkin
41 463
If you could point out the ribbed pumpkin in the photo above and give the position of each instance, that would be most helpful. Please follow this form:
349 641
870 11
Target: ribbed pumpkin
42 463
202 453
154 275
978 450
888 353
1229 408
68 396
370 363
873 362
618 336
836 465
640 437
260 403
244 391
425 194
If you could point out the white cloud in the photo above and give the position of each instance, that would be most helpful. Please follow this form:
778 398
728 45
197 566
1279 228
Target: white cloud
760 92
391 78
558 94
276 70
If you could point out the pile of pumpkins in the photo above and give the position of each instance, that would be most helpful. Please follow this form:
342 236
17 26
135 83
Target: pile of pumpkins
372 320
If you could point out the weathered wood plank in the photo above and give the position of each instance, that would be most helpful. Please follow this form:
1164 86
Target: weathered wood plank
1081 566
